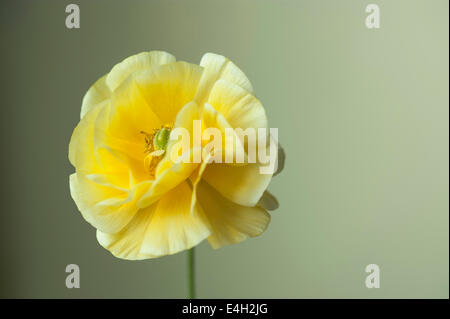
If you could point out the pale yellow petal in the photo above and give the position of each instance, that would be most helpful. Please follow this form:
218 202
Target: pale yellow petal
127 243
96 94
131 114
243 185
107 208
219 67
120 159
168 180
172 170
232 148
119 168
167 88
183 121
173 228
121 131
81 146
141 61
93 151
230 223
119 145
239 107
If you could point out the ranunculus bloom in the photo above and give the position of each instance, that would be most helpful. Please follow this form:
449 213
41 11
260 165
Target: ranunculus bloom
145 205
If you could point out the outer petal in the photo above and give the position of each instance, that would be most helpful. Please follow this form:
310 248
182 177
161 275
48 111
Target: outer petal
127 244
240 108
81 146
134 63
100 144
103 87
173 228
164 228
120 131
230 223
218 67
232 148
96 94
107 208
116 159
167 88
131 114
243 185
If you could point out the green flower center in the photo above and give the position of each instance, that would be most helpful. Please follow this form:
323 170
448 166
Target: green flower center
161 138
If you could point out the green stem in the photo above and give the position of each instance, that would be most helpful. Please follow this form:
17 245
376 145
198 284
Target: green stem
191 273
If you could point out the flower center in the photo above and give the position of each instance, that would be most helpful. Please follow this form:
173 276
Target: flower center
161 138
155 147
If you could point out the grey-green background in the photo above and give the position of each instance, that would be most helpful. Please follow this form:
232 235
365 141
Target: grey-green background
362 115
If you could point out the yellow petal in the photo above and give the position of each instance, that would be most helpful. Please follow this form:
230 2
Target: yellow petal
167 88
184 120
243 185
131 114
121 130
120 159
164 228
218 67
230 223
96 94
173 228
118 140
108 209
91 155
81 146
268 201
231 148
127 244
240 108
141 61
119 168
103 87
165 182
170 173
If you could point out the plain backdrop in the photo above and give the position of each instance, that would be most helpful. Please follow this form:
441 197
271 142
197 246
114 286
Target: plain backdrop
362 114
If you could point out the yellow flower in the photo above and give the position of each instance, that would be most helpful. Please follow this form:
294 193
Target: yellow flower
142 203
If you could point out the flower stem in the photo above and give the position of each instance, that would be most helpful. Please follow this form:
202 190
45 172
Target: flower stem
191 273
